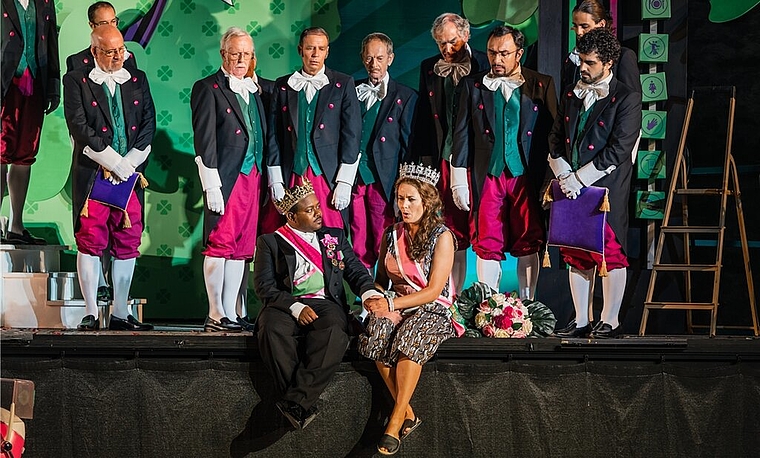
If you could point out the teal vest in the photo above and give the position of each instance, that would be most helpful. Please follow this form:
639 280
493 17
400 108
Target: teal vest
305 155
255 143
581 125
448 142
367 170
505 152
28 18
119 142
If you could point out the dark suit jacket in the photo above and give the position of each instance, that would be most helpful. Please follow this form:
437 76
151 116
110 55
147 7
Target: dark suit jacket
336 132
275 263
475 122
607 139
221 136
46 44
88 118
390 141
626 70
431 125
84 58
267 90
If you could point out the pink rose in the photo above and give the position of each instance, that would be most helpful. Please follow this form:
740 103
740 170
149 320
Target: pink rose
502 321
488 330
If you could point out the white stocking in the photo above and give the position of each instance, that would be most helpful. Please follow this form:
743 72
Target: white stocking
489 272
241 305
459 271
121 276
213 275
88 271
580 290
233 279
527 276
613 289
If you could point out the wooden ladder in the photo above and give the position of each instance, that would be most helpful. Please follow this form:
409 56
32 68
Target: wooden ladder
679 188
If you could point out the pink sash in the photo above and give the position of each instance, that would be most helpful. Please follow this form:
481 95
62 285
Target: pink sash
311 254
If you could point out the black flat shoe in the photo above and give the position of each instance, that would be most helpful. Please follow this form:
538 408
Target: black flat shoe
89 323
223 325
25 238
388 445
309 416
574 331
605 331
293 412
130 324
246 324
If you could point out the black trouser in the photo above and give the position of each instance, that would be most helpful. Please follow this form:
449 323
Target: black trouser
303 359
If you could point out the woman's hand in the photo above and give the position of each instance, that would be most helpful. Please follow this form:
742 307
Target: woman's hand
394 316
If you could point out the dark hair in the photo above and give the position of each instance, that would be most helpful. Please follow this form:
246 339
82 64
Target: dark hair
385 39
596 10
96 6
432 216
503 30
312 31
602 41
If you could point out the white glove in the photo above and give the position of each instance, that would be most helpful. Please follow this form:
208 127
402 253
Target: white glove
570 185
123 169
588 174
108 158
559 166
215 200
341 196
459 188
277 190
138 156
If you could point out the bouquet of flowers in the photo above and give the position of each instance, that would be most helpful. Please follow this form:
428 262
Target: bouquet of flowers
484 312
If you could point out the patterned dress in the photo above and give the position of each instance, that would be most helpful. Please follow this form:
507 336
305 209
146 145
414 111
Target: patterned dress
422 329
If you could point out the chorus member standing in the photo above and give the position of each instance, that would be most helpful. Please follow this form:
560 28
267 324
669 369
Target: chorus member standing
229 123
316 126
98 14
387 108
597 125
503 120
406 327
298 274
439 77
111 119
31 88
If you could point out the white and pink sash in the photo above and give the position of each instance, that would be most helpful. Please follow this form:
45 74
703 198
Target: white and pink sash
309 253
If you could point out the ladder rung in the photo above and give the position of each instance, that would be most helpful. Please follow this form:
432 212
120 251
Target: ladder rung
692 229
686 267
703 191
680 305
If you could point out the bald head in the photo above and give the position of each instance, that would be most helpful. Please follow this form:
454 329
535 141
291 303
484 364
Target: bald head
108 48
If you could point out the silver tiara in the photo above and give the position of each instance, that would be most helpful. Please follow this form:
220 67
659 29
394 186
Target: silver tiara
419 172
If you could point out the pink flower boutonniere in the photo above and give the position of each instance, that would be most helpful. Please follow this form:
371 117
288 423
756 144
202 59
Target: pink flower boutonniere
335 257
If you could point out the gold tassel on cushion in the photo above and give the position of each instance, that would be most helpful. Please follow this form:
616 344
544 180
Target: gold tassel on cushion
143 181
85 209
547 262
548 194
127 222
606 202
603 270
106 174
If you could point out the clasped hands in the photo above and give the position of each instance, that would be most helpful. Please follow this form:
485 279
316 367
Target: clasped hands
380 307
570 185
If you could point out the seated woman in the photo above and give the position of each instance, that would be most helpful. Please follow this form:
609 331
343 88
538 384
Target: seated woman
407 325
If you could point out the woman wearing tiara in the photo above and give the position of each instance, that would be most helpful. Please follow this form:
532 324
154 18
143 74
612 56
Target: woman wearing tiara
407 325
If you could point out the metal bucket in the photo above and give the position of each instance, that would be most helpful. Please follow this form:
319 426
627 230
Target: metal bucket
63 286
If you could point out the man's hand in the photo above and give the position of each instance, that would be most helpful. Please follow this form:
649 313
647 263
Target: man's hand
123 170
461 197
53 101
277 190
571 186
376 304
215 200
307 316
341 196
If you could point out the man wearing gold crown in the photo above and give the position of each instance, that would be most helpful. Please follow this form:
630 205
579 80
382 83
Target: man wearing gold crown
111 119
439 78
503 119
229 123
387 111
596 128
298 275
315 130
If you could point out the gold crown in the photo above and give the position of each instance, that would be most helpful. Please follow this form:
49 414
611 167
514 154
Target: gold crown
419 172
293 195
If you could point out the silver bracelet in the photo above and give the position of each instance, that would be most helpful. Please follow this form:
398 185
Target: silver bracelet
390 303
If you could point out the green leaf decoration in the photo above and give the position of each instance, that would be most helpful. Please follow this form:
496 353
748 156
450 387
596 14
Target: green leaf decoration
469 299
542 318
483 12
724 10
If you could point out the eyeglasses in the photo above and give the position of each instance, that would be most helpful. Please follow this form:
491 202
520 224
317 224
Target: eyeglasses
114 22
239 55
503 54
113 52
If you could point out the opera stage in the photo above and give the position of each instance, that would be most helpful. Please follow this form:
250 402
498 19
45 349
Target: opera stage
179 392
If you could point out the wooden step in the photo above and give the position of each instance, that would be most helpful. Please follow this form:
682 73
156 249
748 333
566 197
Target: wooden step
691 229
702 192
680 305
686 267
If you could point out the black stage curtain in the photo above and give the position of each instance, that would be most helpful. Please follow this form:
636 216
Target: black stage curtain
173 408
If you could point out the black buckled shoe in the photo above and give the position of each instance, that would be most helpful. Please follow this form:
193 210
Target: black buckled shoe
246 324
309 416
89 323
223 325
25 238
293 412
574 331
605 331
130 324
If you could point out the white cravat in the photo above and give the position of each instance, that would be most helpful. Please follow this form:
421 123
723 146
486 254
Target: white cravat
506 84
575 58
311 84
24 3
457 70
241 87
120 76
590 93
369 93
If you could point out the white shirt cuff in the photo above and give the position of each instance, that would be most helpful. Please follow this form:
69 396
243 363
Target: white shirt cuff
296 309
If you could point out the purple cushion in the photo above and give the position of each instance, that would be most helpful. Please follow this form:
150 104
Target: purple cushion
105 192
577 223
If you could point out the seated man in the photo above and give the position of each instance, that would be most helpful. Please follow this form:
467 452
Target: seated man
298 275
